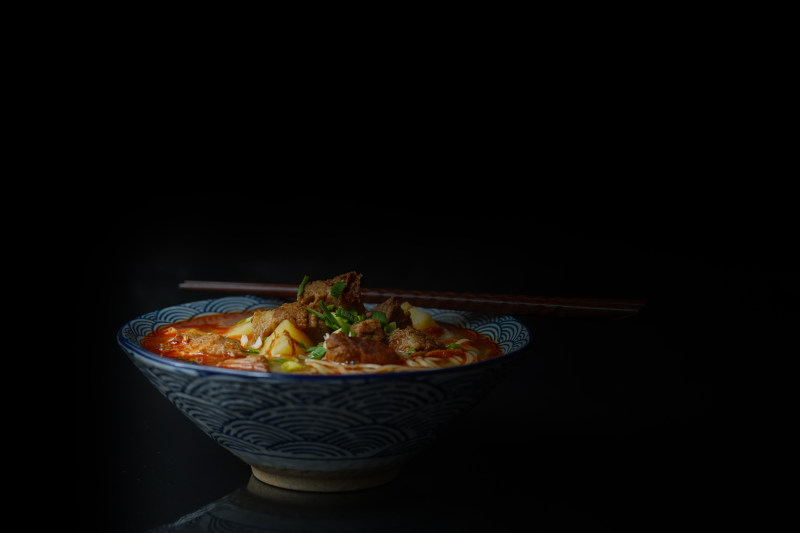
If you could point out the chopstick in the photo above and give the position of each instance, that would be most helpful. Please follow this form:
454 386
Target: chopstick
488 303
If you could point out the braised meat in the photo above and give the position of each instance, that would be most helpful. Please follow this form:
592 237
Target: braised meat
349 298
394 313
199 342
266 320
344 349
370 328
410 340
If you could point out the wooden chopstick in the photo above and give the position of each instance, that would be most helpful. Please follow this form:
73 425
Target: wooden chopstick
488 303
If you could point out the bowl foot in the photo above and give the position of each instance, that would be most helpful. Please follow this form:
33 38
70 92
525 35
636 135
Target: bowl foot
317 481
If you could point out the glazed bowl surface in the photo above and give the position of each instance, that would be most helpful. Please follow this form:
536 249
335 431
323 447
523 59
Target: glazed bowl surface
321 432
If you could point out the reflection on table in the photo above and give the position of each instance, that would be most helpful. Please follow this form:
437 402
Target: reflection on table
261 507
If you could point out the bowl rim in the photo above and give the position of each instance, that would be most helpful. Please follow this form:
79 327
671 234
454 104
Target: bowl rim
134 350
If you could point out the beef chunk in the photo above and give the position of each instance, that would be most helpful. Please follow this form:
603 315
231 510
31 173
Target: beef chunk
409 340
266 320
349 299
370 328
214 344
344 349
394 313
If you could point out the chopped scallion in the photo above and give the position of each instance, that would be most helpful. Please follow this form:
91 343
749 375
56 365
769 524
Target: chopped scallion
302 286
350 316
344 325
380 316
319 315
338 288
316 352
330 320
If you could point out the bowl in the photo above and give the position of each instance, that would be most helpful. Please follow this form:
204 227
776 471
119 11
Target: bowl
319 432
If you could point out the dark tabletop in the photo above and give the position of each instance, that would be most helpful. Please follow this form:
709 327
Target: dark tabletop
602 422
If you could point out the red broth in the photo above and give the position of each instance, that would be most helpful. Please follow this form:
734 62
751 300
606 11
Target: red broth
165 341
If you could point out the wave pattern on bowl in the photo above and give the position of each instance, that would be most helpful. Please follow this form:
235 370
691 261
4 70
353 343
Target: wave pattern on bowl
319 422
259 423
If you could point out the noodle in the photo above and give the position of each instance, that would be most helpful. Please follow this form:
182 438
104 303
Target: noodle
323 367
329 368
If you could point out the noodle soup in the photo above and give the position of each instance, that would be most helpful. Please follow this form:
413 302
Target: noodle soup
327 330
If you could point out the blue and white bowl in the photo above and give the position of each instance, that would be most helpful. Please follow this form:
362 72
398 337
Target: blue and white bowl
321 433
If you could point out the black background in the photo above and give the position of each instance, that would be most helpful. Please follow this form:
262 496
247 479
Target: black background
603 422
637 163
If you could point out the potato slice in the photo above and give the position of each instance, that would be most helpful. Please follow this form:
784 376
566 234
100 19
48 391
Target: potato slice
245 327
420 319
287 339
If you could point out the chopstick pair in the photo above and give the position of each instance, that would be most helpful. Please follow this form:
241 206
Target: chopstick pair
481 302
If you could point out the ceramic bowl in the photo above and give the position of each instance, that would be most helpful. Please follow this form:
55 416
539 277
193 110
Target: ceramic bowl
321 433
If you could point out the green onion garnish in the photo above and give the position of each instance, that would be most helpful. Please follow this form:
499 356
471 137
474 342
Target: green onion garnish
350 316
330 320
380 316
302 286
338 288
316 352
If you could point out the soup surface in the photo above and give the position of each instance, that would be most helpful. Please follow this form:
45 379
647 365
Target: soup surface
326 331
